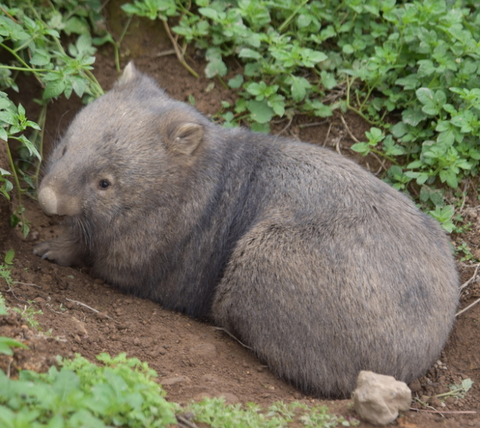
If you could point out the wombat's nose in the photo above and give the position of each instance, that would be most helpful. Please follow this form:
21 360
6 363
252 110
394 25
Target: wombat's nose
48 200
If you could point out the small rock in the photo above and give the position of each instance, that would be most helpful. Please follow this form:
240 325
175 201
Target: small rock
155 351
175 380
415 385
70 305
79 327
435 402
189 416
229 397
209 378
202 395
378 398
102 315
425 398
450 401
205 350
33 236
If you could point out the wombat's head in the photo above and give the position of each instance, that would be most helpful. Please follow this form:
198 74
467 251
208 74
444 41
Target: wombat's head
120 149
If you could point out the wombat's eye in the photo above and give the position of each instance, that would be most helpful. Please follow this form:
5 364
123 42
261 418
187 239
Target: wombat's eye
64 150
103 184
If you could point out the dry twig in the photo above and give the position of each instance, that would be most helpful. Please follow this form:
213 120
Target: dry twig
467 308
308 125
286 126
439 412
233 337
180 55
467 184
348 129
165 53
10 16
86 306
49 306
466 283
328 134
185 422
10 290
26 283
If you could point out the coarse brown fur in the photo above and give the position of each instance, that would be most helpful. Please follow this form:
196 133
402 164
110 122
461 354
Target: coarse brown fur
320 267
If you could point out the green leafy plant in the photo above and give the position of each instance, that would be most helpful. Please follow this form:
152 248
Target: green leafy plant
6 268
120 392
464 253
3 306
413 62
420 61
7 343
28 313
6 275
30 43
444 215
217 414
458 391
260 34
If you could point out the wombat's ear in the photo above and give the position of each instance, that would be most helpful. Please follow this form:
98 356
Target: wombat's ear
129 74
184 137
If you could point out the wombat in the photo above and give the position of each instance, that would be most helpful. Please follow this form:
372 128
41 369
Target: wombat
317 265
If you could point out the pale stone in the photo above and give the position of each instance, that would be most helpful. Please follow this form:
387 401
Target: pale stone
175 380
378 398
229 397
205 350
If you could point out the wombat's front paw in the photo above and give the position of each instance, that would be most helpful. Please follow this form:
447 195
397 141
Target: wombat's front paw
58 250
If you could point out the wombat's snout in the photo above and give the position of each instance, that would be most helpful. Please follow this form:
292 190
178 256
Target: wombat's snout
48 200
55 201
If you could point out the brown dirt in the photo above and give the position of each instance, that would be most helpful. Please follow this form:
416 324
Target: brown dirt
194 359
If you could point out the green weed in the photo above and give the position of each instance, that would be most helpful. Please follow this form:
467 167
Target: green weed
458 391
217 414
444 215
5 270
6 275
7 343
3 306
28 313
30 33
120 392
415 61
464 253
